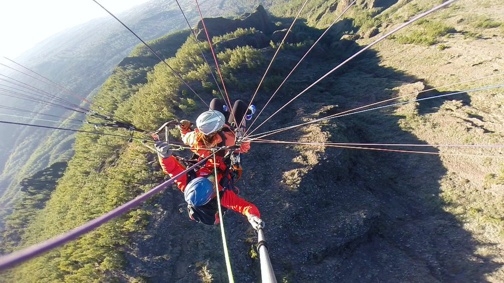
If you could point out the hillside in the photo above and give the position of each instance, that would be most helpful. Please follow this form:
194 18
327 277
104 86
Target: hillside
429 211
35 191
79 60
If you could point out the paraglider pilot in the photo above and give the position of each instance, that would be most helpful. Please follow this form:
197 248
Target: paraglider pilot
198 188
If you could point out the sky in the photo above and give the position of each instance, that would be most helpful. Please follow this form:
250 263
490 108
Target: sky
24 23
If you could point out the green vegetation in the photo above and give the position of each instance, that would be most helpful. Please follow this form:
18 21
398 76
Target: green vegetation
99 178
239 58
35 191
481 207
485 23
166 45
32 158
321 14
107 171
425 32
364 19
123 83
237 33
91 53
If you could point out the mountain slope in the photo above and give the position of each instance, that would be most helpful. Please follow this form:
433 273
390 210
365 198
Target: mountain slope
332 214
80 59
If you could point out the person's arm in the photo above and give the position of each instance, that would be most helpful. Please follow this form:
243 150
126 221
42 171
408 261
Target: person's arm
188 137
172 167
186 133
230 139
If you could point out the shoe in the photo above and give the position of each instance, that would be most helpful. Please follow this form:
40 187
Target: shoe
250 112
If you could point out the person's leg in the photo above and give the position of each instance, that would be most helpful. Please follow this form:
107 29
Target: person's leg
219 105
238 113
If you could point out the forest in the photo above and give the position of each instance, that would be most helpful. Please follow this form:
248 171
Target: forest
106 171
418 217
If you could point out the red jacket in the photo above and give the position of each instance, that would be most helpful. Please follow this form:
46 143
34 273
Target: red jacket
201 148
229 199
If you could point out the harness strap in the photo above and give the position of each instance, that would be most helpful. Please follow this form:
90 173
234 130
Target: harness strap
221 153
232 164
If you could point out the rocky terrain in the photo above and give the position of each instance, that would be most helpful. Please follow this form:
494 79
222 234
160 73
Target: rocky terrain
431 212
343 215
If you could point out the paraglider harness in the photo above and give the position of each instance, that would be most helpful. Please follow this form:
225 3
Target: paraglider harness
232 173
207 213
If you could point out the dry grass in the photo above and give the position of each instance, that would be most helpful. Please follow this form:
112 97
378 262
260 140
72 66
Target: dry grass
204 273
473 187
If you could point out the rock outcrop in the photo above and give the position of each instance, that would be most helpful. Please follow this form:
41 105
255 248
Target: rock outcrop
219 26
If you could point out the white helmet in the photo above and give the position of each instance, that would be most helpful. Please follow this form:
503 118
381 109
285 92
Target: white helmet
210 121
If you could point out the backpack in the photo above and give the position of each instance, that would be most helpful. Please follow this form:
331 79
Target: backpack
205 214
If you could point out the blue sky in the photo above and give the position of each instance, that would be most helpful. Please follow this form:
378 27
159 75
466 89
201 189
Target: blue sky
24 23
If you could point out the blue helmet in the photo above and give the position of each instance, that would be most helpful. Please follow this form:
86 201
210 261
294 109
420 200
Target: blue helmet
198 191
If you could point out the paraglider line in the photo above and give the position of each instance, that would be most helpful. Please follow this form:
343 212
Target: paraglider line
195 37
342 145
358 53
339 115
37 249
152 50
228 101
298 63
221 221
287 33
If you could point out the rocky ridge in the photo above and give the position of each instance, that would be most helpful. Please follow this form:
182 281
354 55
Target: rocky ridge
331 214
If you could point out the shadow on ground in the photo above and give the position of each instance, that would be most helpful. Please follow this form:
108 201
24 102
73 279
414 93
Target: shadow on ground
363 215
430 101
354 216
